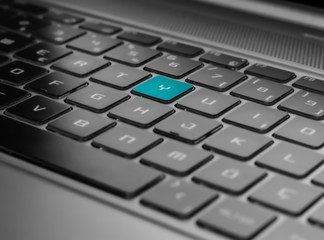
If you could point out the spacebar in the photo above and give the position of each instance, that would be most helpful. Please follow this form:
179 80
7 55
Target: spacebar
95 167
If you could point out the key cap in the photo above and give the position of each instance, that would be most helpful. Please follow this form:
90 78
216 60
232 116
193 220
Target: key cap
310 84
11 42
9 95
262 91
224 60
229 176
295 230
187 127
302 131
178 198
30 8
94 44
59 34
38 109
173 66
207 103
56 84
96 168
80 65
3 59
132 55
139 38
216 78
141 112
306 104
17 72
25 24
317 217
286 195
271 73
120 76
319 179
162 89
126 141
237 143
65 18
97 98
256 117
43 53
81 125
102 28
6 14
180 48
290 160
176 158
236 219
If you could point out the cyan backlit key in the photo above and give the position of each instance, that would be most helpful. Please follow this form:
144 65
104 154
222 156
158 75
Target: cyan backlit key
162 89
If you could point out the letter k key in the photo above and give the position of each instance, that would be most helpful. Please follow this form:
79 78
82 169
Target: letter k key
237 143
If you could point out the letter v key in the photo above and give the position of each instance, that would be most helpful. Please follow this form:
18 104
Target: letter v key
38 108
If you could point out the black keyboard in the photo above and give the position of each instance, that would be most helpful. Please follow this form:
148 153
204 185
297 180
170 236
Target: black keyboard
180 131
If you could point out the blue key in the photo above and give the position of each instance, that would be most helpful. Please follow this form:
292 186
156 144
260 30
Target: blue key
162 89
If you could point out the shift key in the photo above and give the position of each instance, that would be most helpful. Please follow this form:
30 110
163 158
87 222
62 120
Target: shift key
94 167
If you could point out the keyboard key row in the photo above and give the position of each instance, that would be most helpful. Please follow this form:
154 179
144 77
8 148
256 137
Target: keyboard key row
97 168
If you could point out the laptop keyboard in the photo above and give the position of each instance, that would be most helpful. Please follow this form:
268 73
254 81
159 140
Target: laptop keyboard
174 130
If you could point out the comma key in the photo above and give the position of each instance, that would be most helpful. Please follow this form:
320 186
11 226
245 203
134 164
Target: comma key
178 198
